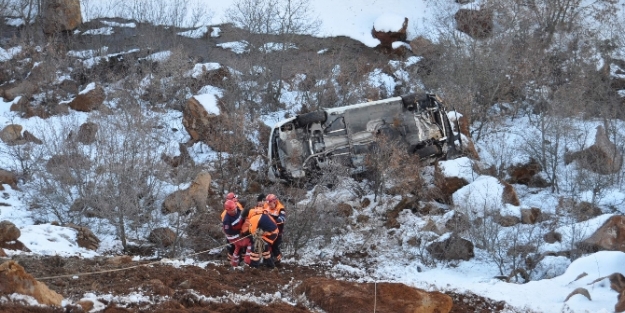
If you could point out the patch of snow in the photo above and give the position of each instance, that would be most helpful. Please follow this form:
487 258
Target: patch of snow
104 31
8 54
216 33
195 33
238 47
116 24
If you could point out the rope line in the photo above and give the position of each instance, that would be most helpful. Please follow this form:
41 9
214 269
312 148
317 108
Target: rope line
136 266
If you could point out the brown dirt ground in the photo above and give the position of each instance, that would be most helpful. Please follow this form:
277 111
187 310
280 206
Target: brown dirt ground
184 284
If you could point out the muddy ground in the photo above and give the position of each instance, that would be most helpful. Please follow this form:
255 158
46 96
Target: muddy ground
186 288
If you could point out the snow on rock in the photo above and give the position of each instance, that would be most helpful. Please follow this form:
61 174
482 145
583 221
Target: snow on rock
460 167
200 68
207 97
389 22
483 194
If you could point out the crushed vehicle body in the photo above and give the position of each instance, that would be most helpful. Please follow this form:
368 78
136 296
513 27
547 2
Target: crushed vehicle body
303 144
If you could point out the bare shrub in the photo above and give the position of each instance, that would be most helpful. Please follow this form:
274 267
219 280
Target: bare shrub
122 181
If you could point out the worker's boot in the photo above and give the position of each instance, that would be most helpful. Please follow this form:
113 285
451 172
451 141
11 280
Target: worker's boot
269 263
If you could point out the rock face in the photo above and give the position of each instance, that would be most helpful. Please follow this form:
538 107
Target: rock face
61 15
602 157
194 196
89 99
610 236
348 297
475 23
388 37
8 231
16 280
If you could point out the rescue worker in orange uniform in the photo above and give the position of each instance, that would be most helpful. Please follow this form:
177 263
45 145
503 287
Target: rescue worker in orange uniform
275 208
233 197
265 231
232 222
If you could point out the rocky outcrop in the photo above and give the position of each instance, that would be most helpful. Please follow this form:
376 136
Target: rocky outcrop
526 174
197 121
602 157
610 236
350 297
91 98
509 194
476 23
25 89
186 199
388 36
11 133
180 160
85 237
162 236
452 247
8 178
530 216
87 132
15 280
61 15
9 232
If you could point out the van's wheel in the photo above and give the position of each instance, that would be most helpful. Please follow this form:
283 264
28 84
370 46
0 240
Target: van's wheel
311 117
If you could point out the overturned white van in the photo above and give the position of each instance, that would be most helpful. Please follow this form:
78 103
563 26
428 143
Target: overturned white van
301 145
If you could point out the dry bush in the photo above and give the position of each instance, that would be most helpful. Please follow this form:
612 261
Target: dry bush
120 177
390 165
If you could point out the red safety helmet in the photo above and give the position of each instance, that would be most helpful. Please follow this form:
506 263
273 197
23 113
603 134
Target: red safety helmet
231 196
230 205
271 198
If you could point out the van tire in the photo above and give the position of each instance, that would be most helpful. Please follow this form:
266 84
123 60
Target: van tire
311 117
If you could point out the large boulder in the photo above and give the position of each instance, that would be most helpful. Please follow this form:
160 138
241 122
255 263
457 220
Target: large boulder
15 280
610 236
525 174
198 122
25 89
8 178
162 236
476 23
347 297
87 133
9 232
451 247
89 99
85 237
11 133
389 28
61 15
186 199
603 157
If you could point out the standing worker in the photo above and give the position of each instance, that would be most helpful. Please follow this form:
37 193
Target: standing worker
275 208
232 223
232 197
